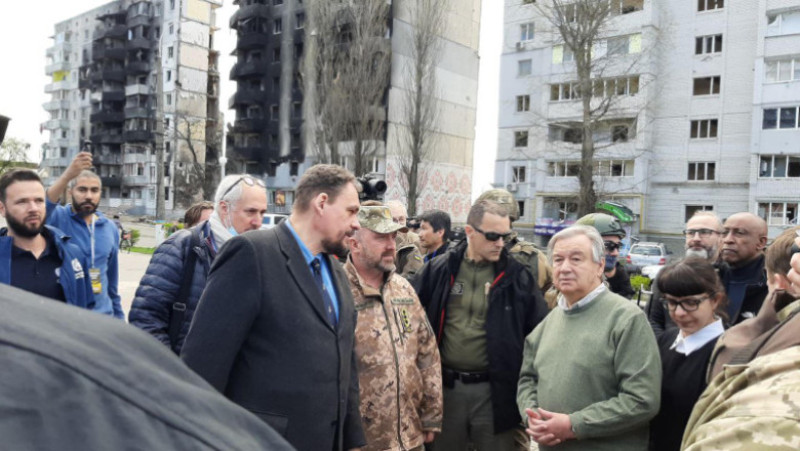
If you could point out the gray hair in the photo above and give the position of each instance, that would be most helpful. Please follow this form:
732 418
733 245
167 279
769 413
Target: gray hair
598 247
235 194
707 214
85 174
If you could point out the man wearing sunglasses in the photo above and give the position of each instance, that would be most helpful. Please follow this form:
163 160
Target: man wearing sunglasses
611 231
481 304
171 287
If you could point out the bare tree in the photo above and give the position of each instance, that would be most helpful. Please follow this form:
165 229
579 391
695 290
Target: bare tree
584 29
13 152
346 78
420 107
189 181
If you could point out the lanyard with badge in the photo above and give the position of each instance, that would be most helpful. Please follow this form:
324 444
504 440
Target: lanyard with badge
94 273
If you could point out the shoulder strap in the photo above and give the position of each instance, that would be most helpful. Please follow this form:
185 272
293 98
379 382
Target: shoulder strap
178 310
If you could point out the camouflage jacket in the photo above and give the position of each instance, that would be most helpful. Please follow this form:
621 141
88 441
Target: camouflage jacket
749 407
399 369
408 257
533 259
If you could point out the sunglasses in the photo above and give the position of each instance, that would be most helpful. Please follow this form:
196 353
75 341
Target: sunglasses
688 305
492 236
250 181
611 246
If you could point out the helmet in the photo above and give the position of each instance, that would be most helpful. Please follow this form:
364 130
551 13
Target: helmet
605 224
502 197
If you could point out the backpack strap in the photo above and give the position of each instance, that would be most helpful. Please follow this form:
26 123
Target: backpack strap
178 310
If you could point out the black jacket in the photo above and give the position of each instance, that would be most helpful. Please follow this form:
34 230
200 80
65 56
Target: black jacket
76 380
261 336
516 306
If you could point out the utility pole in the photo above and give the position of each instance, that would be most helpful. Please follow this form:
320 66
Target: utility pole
160 208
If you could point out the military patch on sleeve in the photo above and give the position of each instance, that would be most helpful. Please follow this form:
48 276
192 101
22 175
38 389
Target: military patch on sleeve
458 289
402 301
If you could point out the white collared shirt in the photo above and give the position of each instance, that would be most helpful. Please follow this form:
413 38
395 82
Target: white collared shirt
562 302
690 344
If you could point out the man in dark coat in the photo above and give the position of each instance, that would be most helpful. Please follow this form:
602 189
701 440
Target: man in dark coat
76 380
481 304
274 329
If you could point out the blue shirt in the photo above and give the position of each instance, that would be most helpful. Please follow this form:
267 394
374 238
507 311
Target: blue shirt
106 249
327 279
38 275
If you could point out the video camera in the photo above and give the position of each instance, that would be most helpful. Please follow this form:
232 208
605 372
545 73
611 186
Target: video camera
372 188
412 223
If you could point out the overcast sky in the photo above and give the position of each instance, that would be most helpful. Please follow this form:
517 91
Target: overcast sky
25 31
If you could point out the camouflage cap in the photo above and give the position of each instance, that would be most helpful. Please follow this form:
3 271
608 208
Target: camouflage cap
504 198
379 220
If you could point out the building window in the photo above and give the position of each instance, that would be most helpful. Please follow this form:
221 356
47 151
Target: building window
783 23
276 55
705 86
704 128
701 171
518 174
274 112
708 5
521 207
171 29
277 2
778 213
171 4
566 133
785 118
613 168
778 166
528 2
169 99
562 54
692 209
170 52
708 44
294 168
521 139
297 110
602 87
277 26
619 133
563 168
782 70
526 32
626 6
299 20
624 45
524 68
523 103
169 75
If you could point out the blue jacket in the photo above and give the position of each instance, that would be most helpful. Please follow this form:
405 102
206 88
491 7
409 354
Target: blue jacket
161 282
74 277
105 252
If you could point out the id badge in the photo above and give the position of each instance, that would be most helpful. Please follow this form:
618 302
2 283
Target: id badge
97 285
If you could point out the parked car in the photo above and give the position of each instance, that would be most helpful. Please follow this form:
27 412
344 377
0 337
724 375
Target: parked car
270 220
648 253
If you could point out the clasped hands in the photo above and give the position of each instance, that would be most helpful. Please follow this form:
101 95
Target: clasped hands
548 428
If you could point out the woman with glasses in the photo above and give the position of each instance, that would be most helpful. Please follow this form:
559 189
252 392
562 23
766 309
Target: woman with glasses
693 295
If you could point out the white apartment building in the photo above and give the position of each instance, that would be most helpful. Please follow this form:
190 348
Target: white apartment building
691 86
104 65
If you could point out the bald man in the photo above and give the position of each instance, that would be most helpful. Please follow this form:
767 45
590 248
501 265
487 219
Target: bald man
744 237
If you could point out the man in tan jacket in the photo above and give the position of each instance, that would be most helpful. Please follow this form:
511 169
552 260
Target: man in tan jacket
399 370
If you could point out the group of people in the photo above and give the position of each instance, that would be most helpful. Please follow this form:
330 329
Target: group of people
341 328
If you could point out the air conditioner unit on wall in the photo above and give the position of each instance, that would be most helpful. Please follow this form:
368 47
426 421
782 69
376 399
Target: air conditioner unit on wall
520 46
512 187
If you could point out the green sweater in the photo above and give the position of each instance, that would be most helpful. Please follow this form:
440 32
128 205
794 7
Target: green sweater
600 364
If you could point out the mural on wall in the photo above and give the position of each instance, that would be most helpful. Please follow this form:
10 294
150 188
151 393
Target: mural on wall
444 187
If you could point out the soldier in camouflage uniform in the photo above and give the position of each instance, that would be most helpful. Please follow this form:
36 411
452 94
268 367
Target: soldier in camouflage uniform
750 407
522 251
408 256
399 369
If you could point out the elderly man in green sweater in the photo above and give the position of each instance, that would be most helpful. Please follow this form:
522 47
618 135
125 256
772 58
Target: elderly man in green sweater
591 374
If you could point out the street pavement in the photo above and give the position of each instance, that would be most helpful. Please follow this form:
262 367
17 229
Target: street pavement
131 269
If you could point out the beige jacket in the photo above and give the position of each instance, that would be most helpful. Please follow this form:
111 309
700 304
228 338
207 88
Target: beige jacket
399 369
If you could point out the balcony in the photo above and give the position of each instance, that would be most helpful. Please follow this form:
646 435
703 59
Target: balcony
247 97
247 12
116 95
60 86
102 52
138 67
136 180
137 111
104 117
107 137
137 90
249 68
139 19
54 124
138 136
117 75
56 67
54 105
139 43
252 40
250 153
133 158
249 125
112 181
107 159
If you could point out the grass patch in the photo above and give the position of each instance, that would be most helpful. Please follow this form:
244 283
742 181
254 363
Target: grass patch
143 250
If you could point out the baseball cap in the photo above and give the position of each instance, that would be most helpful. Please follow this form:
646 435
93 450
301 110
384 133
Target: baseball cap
379 220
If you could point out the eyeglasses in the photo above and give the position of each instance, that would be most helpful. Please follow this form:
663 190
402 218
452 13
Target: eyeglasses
250 181
611 246
688 305
492 236
704 233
